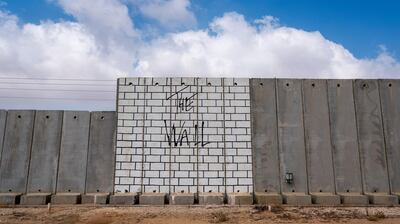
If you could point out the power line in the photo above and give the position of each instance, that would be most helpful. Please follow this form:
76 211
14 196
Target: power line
54 98
59 90
61 79
56 84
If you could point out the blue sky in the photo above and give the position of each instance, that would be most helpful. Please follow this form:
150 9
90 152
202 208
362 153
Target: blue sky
359 25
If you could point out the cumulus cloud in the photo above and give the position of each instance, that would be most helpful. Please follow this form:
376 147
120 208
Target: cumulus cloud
103 43
233 46
169 13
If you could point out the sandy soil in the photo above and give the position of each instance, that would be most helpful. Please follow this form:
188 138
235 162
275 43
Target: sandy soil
198 215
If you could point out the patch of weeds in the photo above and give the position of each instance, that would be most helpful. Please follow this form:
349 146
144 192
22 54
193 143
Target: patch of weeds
260 208
376 217
276 209
219 217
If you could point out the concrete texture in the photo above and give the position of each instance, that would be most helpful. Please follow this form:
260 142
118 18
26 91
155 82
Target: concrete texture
389 96
240 199
152 198
35 199
317 138
3 119
297 199
66 198
101 155
353 199
397 194
264 135
96 198
211 198
382 199
45 152
268 198
15 157
291 135
325 199
370 136
344 137
73 152
124 199
181 199
10 198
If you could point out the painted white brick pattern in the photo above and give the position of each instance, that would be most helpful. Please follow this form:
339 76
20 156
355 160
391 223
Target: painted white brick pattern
183 134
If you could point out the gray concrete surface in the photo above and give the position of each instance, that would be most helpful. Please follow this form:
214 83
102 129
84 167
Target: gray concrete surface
390 93
291 135
101 154
370 136
66 198
211 198
317 137
35 199
45 152
344 137
240 199
96 198
16 151
181 199
297 199
264 135
124 199
382 199
325 199
268 198
73 152
3 118
152 198
353 199
10 198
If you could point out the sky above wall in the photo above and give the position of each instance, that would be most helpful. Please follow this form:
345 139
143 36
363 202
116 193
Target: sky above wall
67 54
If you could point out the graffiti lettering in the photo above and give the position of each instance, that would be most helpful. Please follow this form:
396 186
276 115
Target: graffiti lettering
179 139
183 103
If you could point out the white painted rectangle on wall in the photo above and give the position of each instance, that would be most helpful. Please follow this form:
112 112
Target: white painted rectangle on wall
183 135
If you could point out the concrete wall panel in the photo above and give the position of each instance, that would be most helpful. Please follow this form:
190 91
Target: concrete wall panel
16 151
73 152
101 155
291 134
390 93
264 135
370 136
210 119
45 151
3 118
183 117
344 136
156 147
317 136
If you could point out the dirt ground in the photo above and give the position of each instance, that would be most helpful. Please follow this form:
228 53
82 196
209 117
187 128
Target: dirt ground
198 215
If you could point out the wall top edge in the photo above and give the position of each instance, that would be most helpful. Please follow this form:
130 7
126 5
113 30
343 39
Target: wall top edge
184 77
72 111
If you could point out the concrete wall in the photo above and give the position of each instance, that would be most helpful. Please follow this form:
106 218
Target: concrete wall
46 151
183 134
335 136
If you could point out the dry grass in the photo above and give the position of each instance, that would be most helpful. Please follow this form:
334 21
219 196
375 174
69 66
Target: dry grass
376 217
218 217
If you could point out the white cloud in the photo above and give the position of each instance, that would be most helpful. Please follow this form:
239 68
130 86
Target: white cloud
234 47
103 43
169 13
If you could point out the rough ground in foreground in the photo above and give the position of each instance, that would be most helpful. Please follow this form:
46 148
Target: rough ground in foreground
197 215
